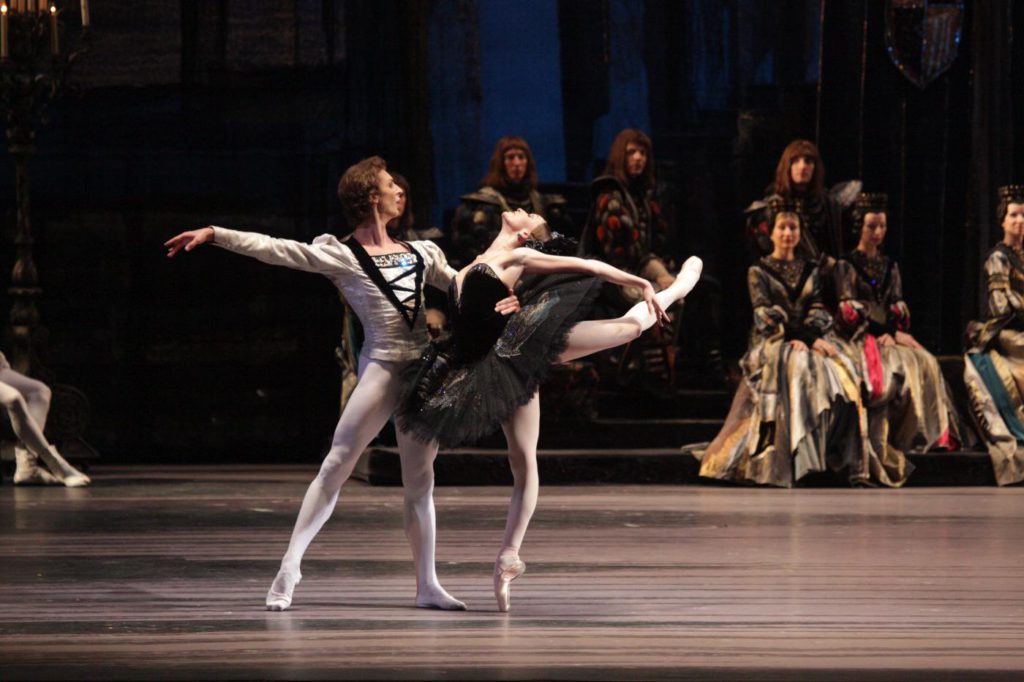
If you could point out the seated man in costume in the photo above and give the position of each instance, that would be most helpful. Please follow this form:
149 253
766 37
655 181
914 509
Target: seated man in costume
627 228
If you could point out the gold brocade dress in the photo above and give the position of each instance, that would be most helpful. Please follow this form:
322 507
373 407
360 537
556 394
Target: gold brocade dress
907 401
994 365
795 411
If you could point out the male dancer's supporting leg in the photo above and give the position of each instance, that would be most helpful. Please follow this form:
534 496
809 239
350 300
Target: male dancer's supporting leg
368 409
420 520
522 432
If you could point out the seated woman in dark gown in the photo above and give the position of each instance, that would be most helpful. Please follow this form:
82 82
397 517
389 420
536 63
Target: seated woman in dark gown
994 366
491 375
797 409
906 399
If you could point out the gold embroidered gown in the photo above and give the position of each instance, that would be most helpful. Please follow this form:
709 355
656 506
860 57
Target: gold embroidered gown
994 365
795 411
907 402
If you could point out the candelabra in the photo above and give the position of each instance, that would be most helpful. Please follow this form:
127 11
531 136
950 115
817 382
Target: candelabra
32 71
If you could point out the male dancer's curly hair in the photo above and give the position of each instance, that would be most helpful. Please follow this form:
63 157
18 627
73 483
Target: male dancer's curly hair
357 188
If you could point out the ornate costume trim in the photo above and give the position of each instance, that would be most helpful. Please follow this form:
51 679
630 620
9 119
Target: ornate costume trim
793 275
389 287
877 278
994 383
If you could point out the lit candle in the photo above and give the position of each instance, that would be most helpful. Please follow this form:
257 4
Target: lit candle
3 32
54 37
85 13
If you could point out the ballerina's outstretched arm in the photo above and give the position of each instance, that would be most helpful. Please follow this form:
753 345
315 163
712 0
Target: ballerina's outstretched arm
535 262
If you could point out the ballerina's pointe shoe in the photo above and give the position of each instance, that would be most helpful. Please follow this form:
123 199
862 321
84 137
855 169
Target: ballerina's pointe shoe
689 274
28 471
436 597
507 568
279 597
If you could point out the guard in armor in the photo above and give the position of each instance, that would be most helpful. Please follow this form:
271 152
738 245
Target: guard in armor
510 184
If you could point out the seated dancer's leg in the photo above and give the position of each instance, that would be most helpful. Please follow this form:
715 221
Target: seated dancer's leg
28 469
592 336
366 412
522 431
31 435
420 521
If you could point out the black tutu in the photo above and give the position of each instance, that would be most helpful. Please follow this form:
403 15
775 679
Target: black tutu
496 363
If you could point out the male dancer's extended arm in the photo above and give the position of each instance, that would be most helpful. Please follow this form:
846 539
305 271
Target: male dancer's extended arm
324 254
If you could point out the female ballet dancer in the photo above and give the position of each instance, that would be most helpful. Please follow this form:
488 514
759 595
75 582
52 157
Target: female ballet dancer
491 375
381 279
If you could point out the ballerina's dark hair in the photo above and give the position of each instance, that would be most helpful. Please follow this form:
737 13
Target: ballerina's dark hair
558 245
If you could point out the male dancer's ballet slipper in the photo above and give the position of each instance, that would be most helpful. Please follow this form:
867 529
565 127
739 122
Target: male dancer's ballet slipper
438 598
507 568
279 597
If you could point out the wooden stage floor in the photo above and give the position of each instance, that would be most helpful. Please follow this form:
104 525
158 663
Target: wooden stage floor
160 573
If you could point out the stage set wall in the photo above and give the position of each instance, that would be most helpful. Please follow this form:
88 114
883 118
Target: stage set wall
244 113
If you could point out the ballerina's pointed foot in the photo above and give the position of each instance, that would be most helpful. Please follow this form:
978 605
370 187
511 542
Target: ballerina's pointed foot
279 597
507 568
689 275
436 597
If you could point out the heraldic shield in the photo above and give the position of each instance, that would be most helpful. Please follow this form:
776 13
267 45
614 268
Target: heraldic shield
922 36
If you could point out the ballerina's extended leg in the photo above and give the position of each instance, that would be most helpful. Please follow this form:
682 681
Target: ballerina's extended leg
592 336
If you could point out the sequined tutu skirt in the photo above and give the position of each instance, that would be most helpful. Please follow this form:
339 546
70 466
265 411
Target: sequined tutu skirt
473 400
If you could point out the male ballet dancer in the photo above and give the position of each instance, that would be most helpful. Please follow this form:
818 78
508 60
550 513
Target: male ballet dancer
381 280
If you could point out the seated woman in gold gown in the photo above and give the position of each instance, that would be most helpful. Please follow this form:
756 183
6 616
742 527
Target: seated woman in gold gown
797 409
994 366
908 405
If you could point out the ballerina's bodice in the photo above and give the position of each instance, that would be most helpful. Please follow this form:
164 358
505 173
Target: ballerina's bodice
476 326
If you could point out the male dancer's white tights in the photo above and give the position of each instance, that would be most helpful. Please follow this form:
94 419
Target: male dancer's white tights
27 402
369 407
522 430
